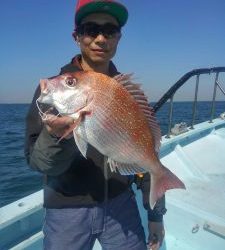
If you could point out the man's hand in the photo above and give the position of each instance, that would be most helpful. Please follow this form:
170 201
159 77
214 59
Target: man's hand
156 234
59 126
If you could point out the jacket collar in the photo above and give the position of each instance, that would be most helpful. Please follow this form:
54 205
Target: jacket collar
76 63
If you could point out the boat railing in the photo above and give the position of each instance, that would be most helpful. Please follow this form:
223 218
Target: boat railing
216 85
169 95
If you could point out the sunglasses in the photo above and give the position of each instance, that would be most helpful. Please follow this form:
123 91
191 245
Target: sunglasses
92 29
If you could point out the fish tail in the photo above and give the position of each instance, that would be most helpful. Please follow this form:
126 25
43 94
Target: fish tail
160 184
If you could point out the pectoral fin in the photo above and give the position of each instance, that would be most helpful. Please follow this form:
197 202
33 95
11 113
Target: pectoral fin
77 118
81 144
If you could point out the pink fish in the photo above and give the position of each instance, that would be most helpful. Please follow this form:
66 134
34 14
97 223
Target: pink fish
112 114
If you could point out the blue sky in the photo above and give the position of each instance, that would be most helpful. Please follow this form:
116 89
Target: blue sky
162 40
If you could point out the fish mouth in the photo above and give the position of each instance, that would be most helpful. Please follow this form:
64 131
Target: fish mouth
46 111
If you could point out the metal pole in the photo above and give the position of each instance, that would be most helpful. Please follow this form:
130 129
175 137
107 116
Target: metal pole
195 102
214 98
170 116
220 87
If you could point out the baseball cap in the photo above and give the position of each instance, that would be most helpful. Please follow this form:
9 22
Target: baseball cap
113 8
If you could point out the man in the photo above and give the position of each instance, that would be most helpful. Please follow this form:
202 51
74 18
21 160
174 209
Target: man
84 200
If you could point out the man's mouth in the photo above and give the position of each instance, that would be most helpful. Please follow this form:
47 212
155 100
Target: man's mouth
99 50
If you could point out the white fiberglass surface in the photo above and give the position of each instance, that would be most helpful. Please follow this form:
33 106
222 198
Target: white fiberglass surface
201 166
189 228
208 154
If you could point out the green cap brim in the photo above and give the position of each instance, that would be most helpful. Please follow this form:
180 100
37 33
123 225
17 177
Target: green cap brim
114 9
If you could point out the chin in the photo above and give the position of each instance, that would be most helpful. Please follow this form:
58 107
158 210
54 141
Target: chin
101 59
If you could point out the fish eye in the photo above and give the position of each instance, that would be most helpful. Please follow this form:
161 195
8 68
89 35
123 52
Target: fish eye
71 82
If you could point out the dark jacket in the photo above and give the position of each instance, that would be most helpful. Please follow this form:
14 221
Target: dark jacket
71 180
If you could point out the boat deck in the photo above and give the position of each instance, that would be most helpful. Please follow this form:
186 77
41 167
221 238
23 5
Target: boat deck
201 166
198 159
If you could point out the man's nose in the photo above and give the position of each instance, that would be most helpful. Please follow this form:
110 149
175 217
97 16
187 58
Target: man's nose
100 38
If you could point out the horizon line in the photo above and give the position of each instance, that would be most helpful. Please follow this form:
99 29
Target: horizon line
28 103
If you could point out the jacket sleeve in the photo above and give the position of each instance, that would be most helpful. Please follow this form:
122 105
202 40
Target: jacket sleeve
155 214
42 150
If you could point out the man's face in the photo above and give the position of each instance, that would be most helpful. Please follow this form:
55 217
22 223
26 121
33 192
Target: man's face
98 48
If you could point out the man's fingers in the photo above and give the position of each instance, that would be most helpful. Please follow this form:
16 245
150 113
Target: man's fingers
154 239
59 125
154 247
59 122
156 233
154 242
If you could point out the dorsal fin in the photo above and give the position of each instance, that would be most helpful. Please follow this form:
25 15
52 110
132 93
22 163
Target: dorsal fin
142 100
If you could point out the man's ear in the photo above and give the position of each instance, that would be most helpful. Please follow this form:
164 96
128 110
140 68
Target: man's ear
76 37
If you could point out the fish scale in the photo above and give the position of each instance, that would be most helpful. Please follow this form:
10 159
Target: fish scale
124 123
109 133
